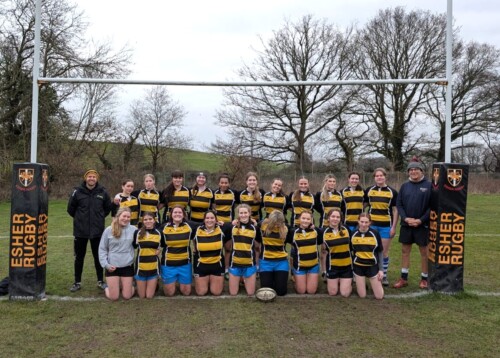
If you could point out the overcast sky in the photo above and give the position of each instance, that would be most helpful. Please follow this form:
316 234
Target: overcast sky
210 40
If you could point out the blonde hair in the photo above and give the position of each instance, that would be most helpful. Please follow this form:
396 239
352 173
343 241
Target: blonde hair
116 228
149 176
246 207
275 222
296 193
324 191
152 177
256 194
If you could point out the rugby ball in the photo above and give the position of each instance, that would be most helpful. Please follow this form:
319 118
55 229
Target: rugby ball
265 294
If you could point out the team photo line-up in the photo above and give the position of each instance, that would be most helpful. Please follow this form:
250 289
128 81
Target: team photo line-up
212 235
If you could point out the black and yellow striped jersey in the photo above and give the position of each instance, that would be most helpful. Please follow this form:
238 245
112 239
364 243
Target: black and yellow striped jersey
273 246
333 200
245 197
148 202
381 200
130 202
224 205
365 247
179 197
337 245
199 203
208 245
176 244
271 202
147 262
304 203
305 243
243 239
352 204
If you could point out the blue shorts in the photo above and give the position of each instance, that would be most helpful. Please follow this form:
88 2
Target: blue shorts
384 231
314 269
182 274
274 265
243 271
145 278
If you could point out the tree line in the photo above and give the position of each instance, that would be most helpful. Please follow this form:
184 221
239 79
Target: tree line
301 126
295 124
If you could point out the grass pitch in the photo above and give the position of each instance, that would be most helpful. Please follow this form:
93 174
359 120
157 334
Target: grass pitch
403 324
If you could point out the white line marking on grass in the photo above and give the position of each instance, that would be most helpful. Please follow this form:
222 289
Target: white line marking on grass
222 297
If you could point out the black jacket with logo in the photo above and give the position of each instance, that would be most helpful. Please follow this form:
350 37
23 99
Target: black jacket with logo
89 209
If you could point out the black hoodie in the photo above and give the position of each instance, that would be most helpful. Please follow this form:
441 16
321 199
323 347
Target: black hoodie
89 208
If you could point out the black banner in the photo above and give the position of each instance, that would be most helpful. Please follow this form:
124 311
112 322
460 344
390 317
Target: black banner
28 231
447 227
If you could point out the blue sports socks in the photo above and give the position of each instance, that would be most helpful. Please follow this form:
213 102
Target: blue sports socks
386 266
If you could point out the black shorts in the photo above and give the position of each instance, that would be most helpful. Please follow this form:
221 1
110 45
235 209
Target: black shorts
366 271
339 272
127 271
414 235
203 270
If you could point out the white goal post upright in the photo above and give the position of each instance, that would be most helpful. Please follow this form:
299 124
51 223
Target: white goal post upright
449 76
37 80
36 74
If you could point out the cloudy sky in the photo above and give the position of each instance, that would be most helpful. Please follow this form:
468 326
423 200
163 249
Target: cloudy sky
210 40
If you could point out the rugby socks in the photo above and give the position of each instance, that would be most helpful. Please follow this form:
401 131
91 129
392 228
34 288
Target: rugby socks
404 273
424 276
386 266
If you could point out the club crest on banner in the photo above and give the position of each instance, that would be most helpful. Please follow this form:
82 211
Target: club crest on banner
435 176
26 176
454 177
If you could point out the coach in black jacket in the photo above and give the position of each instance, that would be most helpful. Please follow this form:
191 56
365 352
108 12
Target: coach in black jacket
88 205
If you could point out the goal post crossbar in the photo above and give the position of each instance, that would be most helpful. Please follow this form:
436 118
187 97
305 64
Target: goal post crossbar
448 81
437 81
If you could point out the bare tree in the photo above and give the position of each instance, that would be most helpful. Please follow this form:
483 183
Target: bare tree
236 155
398 44
348 134
491 137
283 119
158 118
475 99
130 148
64 52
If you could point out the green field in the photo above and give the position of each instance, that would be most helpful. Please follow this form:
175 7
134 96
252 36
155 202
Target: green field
405 323
197 161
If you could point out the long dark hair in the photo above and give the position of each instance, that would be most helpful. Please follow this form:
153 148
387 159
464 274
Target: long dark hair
168 192
358 187
142 230
195 187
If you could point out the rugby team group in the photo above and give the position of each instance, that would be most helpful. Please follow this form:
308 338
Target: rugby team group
240 236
